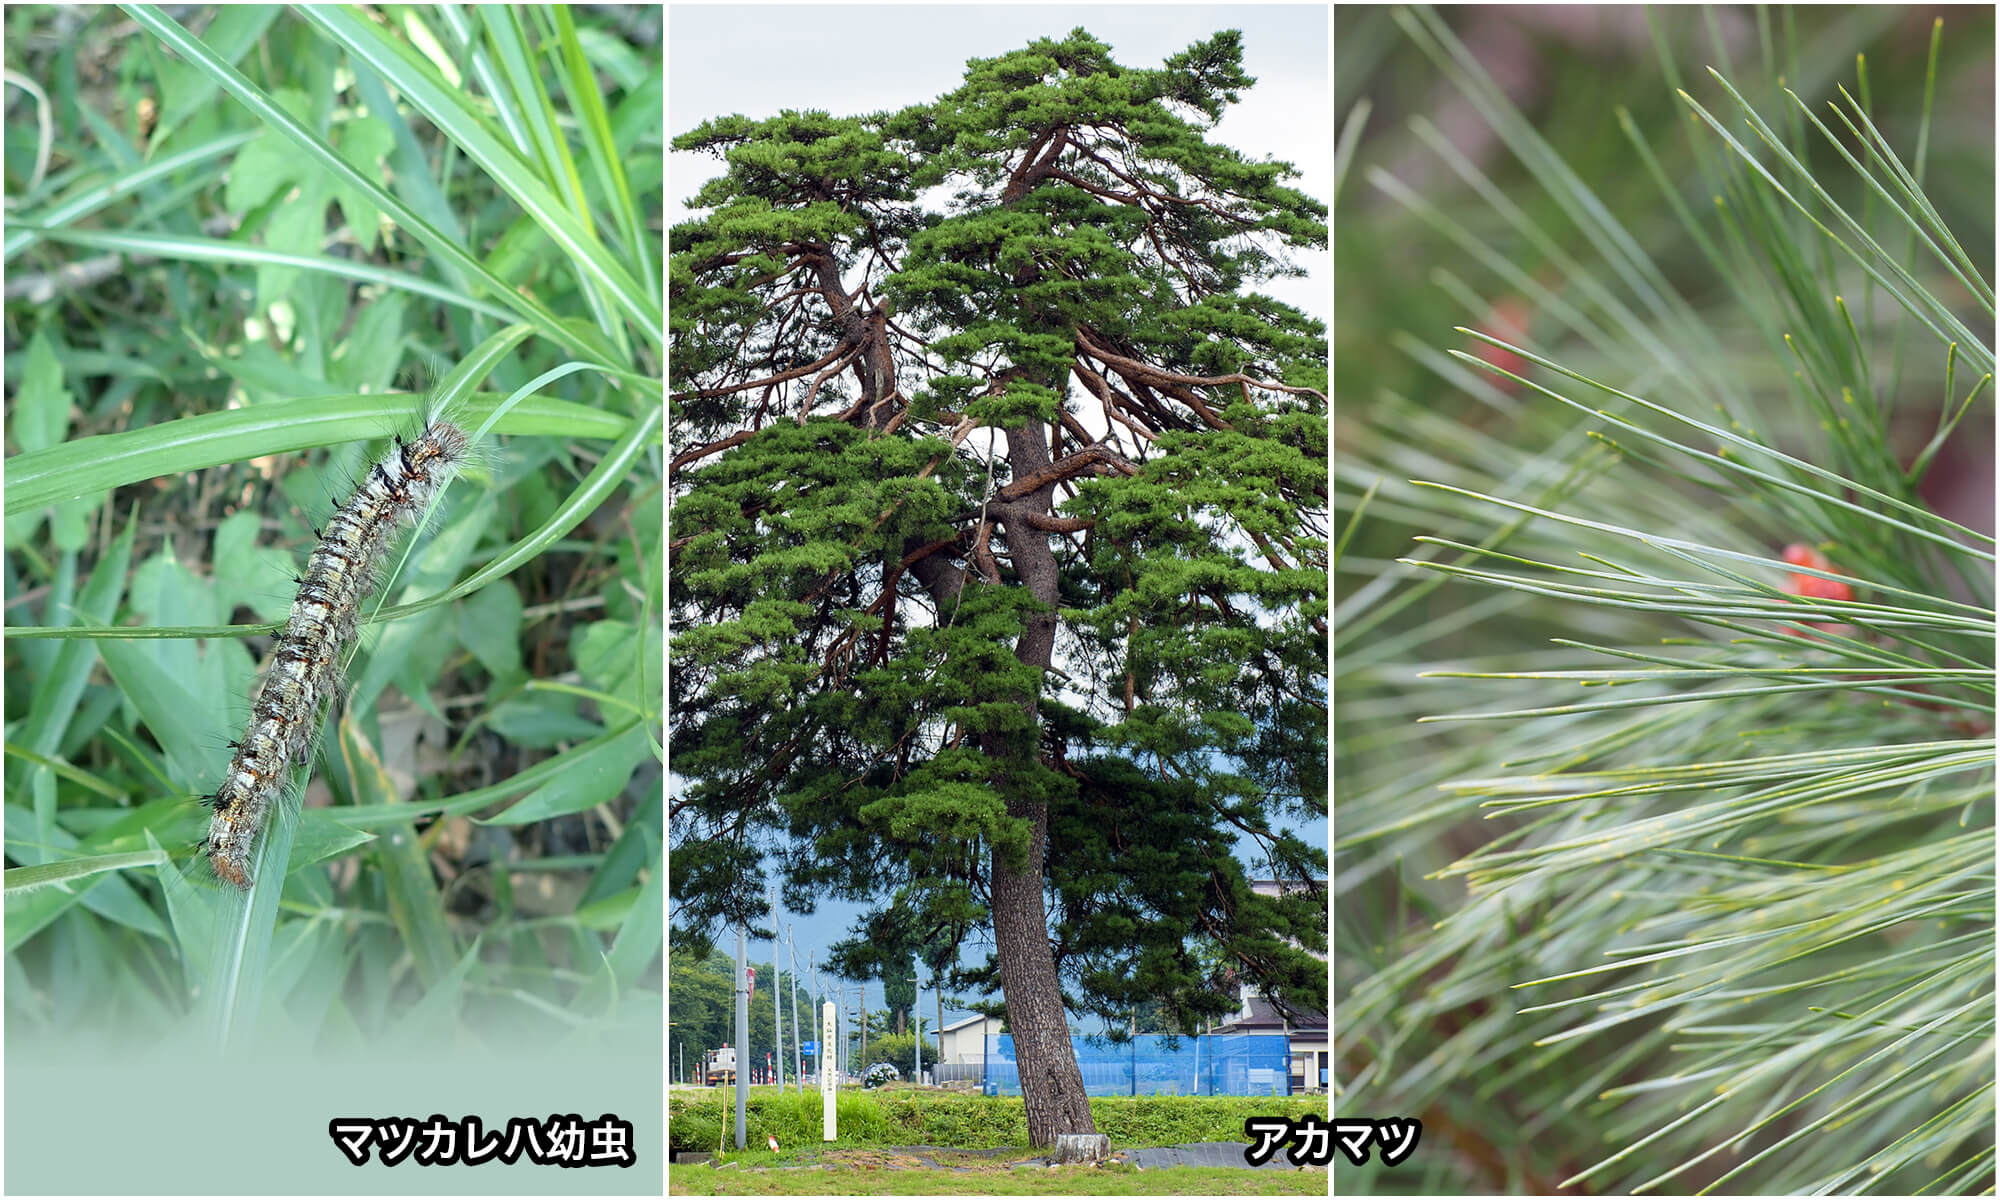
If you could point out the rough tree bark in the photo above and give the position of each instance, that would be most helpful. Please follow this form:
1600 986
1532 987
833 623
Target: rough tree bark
1051 1083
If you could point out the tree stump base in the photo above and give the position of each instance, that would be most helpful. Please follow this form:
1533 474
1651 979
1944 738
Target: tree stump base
1080 1148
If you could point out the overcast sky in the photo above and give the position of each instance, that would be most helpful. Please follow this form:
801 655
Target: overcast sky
849 59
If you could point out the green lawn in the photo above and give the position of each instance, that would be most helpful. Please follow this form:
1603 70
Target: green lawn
989 1134
881 1173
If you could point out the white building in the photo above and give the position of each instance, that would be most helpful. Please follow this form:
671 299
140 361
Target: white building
1311 1052
964 1041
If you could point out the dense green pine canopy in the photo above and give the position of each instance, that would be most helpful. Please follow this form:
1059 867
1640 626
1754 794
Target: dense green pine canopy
999 558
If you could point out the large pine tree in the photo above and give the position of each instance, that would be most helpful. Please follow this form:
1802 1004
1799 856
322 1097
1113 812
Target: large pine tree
998 541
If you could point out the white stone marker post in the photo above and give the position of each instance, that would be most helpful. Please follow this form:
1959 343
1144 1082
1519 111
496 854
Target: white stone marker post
827 1089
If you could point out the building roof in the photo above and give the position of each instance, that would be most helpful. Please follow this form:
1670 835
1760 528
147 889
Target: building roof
1271 887
1267 1023
961 1023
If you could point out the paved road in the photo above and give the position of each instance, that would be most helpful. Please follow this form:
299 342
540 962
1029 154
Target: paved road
1199 1154
1192 1154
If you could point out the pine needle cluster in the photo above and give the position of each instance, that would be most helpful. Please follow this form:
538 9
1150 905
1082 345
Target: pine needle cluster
1664 782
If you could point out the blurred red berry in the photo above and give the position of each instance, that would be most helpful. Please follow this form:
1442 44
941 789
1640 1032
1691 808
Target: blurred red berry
1507 321
1813 587
1801 555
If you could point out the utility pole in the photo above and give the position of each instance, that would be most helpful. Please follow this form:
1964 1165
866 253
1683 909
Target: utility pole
861 998
798 1038
819 997
917 1013
742 1035
777 1005
1285 1023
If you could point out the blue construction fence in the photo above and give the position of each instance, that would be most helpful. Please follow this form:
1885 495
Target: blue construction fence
1221 1064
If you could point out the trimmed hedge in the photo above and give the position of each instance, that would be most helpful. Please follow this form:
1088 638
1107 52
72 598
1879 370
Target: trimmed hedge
909 1116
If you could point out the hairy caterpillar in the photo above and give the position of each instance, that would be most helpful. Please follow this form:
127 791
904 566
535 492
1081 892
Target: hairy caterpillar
305 664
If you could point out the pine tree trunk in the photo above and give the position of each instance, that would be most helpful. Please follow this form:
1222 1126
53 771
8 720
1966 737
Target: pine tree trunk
1051 1084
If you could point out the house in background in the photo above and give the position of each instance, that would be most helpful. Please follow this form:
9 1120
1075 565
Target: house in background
962 1048
962 1044
1304 1029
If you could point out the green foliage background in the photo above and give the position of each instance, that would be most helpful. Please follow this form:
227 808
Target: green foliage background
295 206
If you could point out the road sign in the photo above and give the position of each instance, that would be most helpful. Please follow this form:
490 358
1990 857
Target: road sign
809 1048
